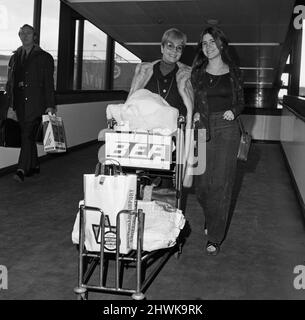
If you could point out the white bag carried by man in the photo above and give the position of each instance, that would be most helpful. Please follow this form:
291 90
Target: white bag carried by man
54 138
110 193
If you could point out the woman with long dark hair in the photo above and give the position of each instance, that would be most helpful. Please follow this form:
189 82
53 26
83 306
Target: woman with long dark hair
218 95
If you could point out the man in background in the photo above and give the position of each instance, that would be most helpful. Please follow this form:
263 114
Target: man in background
30 90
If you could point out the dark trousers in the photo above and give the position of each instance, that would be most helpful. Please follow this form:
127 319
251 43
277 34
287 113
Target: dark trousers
214 186
28 158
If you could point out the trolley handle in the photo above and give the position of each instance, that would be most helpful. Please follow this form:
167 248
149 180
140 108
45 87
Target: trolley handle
89 208
181 121
111 123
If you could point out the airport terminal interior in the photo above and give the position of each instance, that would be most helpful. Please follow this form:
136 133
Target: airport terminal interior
96 46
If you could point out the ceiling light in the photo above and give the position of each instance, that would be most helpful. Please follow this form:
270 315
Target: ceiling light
212 21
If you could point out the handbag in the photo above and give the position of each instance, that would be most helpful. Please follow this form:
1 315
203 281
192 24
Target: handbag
10 133
245 142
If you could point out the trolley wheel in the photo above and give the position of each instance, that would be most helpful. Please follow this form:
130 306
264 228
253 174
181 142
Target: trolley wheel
82 293
84 296
138 296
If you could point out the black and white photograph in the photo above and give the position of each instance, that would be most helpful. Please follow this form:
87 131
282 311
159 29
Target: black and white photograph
152 155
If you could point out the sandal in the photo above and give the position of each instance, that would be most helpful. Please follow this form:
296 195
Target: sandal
212 248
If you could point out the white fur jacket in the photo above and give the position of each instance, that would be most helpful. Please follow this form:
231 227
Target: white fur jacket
144 72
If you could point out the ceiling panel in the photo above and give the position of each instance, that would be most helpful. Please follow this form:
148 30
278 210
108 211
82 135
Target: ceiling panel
153 33
235 16
244 21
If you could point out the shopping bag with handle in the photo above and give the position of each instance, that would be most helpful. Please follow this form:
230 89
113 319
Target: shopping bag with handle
54 138
111 194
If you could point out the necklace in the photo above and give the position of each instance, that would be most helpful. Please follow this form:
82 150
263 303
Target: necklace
164 90
212 80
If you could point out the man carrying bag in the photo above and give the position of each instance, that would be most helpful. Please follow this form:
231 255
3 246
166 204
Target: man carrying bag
30 92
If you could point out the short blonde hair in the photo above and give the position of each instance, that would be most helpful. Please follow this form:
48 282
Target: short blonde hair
174 34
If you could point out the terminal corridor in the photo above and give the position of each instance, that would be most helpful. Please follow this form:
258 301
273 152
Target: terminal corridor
265 241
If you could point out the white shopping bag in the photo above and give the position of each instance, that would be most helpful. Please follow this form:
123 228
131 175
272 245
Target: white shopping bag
54 139
162 225
111 194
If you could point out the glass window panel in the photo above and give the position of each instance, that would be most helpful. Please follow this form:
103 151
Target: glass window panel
75 55
13 15
94 55
49 29
125 63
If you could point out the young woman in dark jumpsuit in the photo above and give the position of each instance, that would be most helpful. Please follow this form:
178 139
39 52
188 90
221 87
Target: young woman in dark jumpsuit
219 100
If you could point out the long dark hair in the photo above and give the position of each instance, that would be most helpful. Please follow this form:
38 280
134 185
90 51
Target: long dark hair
222 44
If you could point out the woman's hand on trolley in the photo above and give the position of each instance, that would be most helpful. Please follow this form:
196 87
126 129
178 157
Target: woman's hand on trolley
228 115
196 117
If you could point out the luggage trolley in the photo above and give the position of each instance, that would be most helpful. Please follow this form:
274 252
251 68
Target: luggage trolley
141 260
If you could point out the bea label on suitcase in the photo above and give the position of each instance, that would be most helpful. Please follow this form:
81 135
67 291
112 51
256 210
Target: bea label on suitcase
139 150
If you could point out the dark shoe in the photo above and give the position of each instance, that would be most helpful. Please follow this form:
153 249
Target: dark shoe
19 176
212 248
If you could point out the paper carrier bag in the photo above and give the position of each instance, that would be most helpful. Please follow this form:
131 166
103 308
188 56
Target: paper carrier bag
54 138
111 194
